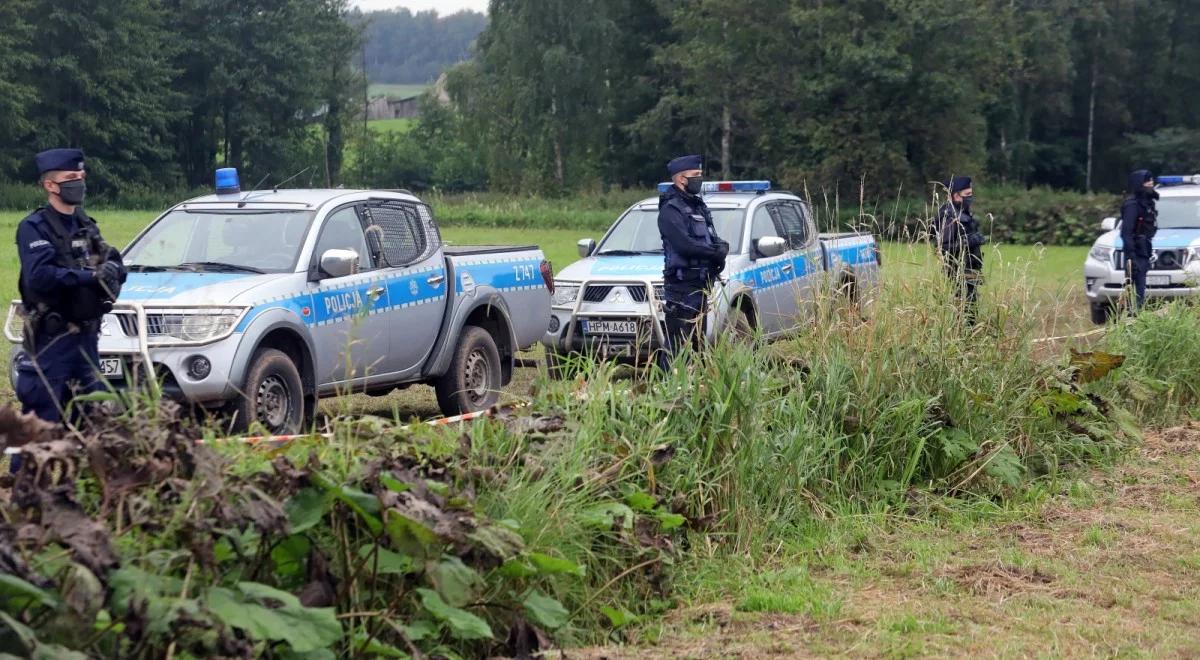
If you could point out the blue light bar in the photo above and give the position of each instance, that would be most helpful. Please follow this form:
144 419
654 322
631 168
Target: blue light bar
724 186
1176 179
227 181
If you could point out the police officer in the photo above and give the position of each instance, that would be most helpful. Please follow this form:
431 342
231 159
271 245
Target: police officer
694 255
69 279
1139 223
960 243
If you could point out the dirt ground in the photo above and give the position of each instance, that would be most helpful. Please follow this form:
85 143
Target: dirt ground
1110 566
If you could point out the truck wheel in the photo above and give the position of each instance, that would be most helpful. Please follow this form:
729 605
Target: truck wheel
741 328
472 383
273 395
1100 313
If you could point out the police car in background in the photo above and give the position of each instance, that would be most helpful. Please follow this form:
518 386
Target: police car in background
261 302
1175 264
610 303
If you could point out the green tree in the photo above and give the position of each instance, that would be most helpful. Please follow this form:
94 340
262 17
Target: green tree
104 83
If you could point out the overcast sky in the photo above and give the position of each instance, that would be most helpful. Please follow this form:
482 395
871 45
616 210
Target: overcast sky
442 6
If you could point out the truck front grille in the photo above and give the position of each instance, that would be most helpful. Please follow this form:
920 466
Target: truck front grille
1165 259
596 293
155 324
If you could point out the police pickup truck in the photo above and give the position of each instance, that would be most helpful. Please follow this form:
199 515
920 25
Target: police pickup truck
1175 264
610 303
260 302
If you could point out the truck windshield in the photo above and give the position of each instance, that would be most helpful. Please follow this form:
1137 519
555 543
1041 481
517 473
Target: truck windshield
252 241
637 232
1178 212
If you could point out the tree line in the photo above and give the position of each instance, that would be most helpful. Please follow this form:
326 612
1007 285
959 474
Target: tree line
160 92
560 96
885 94
407 47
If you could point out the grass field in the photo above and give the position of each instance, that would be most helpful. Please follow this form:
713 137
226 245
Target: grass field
395 91
1103 565
398 125
1054 272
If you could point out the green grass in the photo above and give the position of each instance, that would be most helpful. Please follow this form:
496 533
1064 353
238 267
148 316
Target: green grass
395 91
398 125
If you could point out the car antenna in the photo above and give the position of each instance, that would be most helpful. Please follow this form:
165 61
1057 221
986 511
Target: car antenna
260 182
276 186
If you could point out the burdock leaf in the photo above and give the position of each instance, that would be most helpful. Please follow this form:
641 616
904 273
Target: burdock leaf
1094 365
463 625
545 611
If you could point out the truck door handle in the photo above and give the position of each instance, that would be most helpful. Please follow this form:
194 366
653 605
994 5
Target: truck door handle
787 268
436 280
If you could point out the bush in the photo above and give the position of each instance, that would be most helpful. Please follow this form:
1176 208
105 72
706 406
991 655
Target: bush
1007 214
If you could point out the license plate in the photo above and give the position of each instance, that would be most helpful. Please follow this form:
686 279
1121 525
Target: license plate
1158 280
610 327
111 367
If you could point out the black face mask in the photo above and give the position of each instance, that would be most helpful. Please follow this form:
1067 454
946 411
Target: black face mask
694 185
1148 193
72 192
966 204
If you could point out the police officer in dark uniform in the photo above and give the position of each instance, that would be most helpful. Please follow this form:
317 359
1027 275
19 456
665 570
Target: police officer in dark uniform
69 279
1139 223
960 243
694 255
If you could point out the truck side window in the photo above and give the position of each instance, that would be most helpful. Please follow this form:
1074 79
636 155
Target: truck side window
344 231
795 229
763 224
400 234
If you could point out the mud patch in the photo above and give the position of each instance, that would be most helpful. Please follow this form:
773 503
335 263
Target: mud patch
1000 579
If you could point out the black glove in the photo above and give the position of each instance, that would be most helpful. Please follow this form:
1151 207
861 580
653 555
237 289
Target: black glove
976 239
110 275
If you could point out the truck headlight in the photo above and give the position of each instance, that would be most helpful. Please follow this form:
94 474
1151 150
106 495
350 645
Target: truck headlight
1100 253
192 326
564 294
1193 255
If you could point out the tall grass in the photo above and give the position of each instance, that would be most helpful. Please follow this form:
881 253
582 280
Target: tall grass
751 444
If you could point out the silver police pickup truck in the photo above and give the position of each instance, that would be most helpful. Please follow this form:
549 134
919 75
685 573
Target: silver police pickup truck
1175 264
610 303
261 302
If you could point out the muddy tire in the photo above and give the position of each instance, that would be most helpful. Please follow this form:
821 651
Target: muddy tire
472 382
1100 313
273 395
741 328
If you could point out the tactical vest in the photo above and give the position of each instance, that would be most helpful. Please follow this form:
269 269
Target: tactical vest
698 225
1144 228
80 250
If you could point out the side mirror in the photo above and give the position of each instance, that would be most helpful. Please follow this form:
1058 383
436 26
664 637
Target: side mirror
339 263
770 246
1108 224
586 247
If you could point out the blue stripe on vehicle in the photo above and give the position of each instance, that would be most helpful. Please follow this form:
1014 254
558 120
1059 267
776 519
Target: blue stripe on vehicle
501 275
340 303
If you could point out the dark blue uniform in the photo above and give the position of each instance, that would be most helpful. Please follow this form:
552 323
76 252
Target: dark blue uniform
69 279
1139 223
65 300
960 244
694 258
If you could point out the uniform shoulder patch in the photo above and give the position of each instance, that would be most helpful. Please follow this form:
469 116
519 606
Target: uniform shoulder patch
38 244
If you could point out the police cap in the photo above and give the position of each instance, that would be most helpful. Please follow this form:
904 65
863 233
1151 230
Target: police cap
59 159
958 183
683 164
